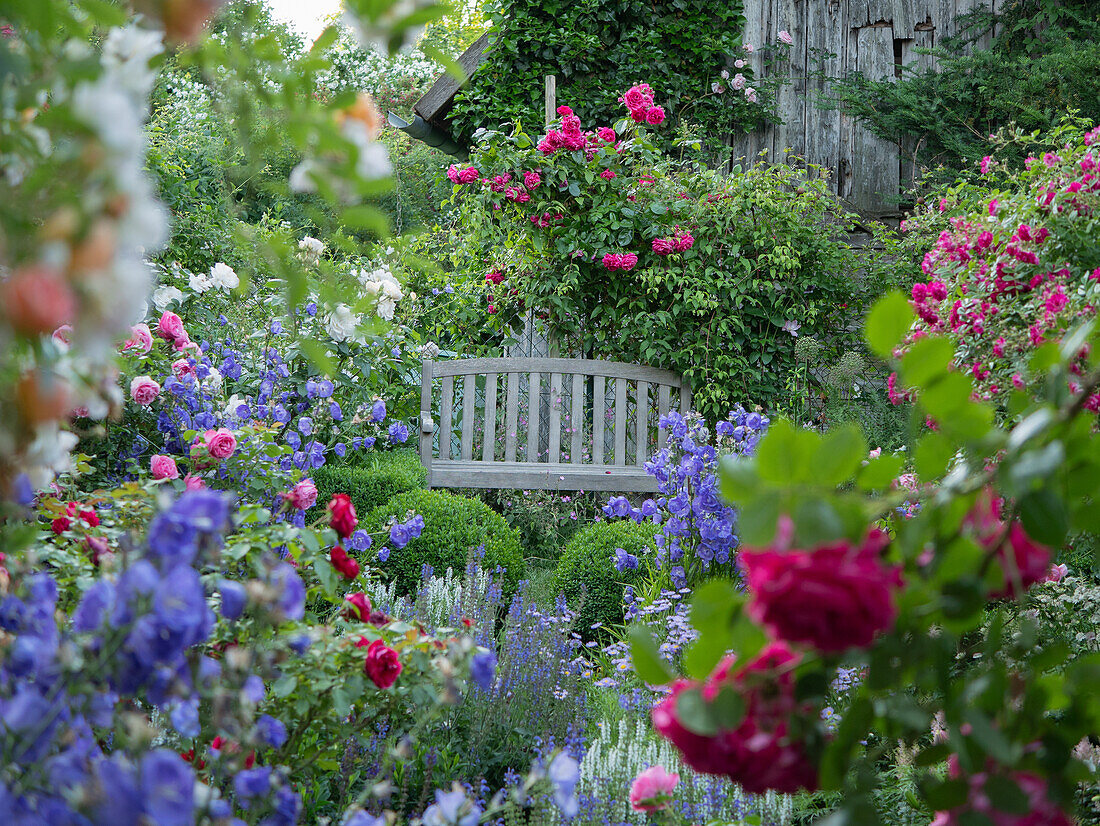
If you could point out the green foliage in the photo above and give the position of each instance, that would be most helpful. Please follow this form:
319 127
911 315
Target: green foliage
597 50
587 576
1043 61
379 477
769 257
454 529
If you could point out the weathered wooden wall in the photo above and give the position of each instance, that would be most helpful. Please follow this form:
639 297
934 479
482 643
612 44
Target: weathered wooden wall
875 37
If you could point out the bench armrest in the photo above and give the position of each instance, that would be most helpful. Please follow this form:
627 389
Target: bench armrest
426 423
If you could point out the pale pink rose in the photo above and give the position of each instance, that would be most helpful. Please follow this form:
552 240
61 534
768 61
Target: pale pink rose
874 454
193 482
652 789
63 334
220 443
748 47
140 338
750 95
170 327
1057 573
785 37
182 368
738 81
303 495
144 390
164 467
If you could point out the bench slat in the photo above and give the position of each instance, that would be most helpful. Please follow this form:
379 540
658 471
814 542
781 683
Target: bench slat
641 438
576 446
511 416
620 421
587 367
534 403
489 434
555 419
685 398
445 423
599 416
469 394
662 410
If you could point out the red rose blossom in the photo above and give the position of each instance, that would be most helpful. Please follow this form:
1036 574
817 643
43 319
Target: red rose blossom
382 664
343 518
832 597
357 606
343 563
760 753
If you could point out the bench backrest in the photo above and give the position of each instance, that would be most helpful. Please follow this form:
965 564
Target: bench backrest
545 411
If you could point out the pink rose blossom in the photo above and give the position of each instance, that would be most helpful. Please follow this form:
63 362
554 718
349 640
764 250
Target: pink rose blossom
170 327
183 368
612 261
607 134
193 482
987 161
144 390
63 334
140 338
532 180
652 789
607 174
684 241
655 116
785 37
1021 560
750 95
738 81
302 496
164 467
220 443
663 246
1057 573
993 207
982 801
748 47
628 261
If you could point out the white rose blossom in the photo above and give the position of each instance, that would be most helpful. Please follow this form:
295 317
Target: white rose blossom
223 276
163 296
341 323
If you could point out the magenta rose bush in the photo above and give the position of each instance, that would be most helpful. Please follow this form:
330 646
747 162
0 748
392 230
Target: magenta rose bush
1013 270
626 253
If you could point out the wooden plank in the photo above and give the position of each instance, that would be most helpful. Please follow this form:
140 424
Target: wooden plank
445 424
554 453
876 170
620 421
427 426
469 396
489 432
542 476
551 99
511 417
641 424
438 100
534 403
587 367
576 421
599 416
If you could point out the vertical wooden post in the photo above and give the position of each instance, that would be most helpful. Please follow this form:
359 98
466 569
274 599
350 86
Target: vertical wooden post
551 99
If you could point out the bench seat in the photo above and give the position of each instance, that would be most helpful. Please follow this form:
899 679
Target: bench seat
540 476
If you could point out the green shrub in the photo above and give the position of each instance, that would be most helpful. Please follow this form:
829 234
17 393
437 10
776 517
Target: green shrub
587 575
453 525
379 478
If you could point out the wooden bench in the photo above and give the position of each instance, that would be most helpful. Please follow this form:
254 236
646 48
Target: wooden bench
610 412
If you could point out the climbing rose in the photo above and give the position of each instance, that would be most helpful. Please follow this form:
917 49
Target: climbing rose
652 789
628 261
342 515
144 390
532 180
684 241
193 482
220 443
606 134
759 754
655 116
664 246
382 664
833 597
164 467
785 37
344 564
357 606
612 261
303 495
